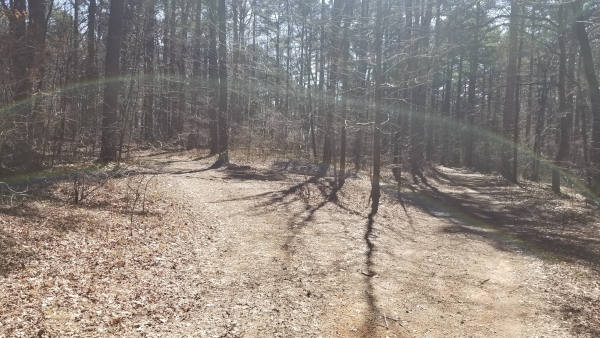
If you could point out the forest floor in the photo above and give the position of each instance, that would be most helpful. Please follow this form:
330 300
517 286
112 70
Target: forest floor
267 250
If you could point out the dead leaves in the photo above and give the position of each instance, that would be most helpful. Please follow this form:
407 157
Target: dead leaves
70 269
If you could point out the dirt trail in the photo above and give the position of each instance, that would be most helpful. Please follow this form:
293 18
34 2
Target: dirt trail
262 251
284 258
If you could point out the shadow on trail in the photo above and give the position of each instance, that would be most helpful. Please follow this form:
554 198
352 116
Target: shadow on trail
511 218
301 201
299 219
298 200
373 313
374 320
243 173
402 201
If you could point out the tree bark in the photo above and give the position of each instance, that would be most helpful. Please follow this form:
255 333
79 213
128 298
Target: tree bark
223 113
562 152
213 77
540 119
148 99
362 93
375 189
110 128
346 80
594 95
508 118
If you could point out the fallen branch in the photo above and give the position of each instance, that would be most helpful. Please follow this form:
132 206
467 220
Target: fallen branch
12 192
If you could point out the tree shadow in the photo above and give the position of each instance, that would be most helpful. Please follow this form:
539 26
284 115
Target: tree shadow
160 153
243 173
203 157
300 167
511 218
299 201
300 216
299 219
327 192
234 172
370 319
183 172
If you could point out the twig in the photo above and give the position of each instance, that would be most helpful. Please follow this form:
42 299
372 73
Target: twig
394 319
144 196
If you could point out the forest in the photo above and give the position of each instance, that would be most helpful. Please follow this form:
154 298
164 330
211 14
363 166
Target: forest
300 167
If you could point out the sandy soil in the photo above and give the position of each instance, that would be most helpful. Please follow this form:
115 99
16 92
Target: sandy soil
264 251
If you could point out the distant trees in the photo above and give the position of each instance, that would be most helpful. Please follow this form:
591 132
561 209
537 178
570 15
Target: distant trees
507 85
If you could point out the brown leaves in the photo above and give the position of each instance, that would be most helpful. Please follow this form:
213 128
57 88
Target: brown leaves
70 269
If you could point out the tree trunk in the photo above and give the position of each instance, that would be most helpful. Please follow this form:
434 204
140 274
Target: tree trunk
110 129
328 146
362 92
563 150
540 120
375 189
459 115
508 118
91 66
562 101
594 93
445 137
148 99
91 70
223 113
517 99
346 79
473 67
20 51
321 97
417 123
213 77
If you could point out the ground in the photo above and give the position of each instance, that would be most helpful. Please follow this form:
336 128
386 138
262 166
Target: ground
267 250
